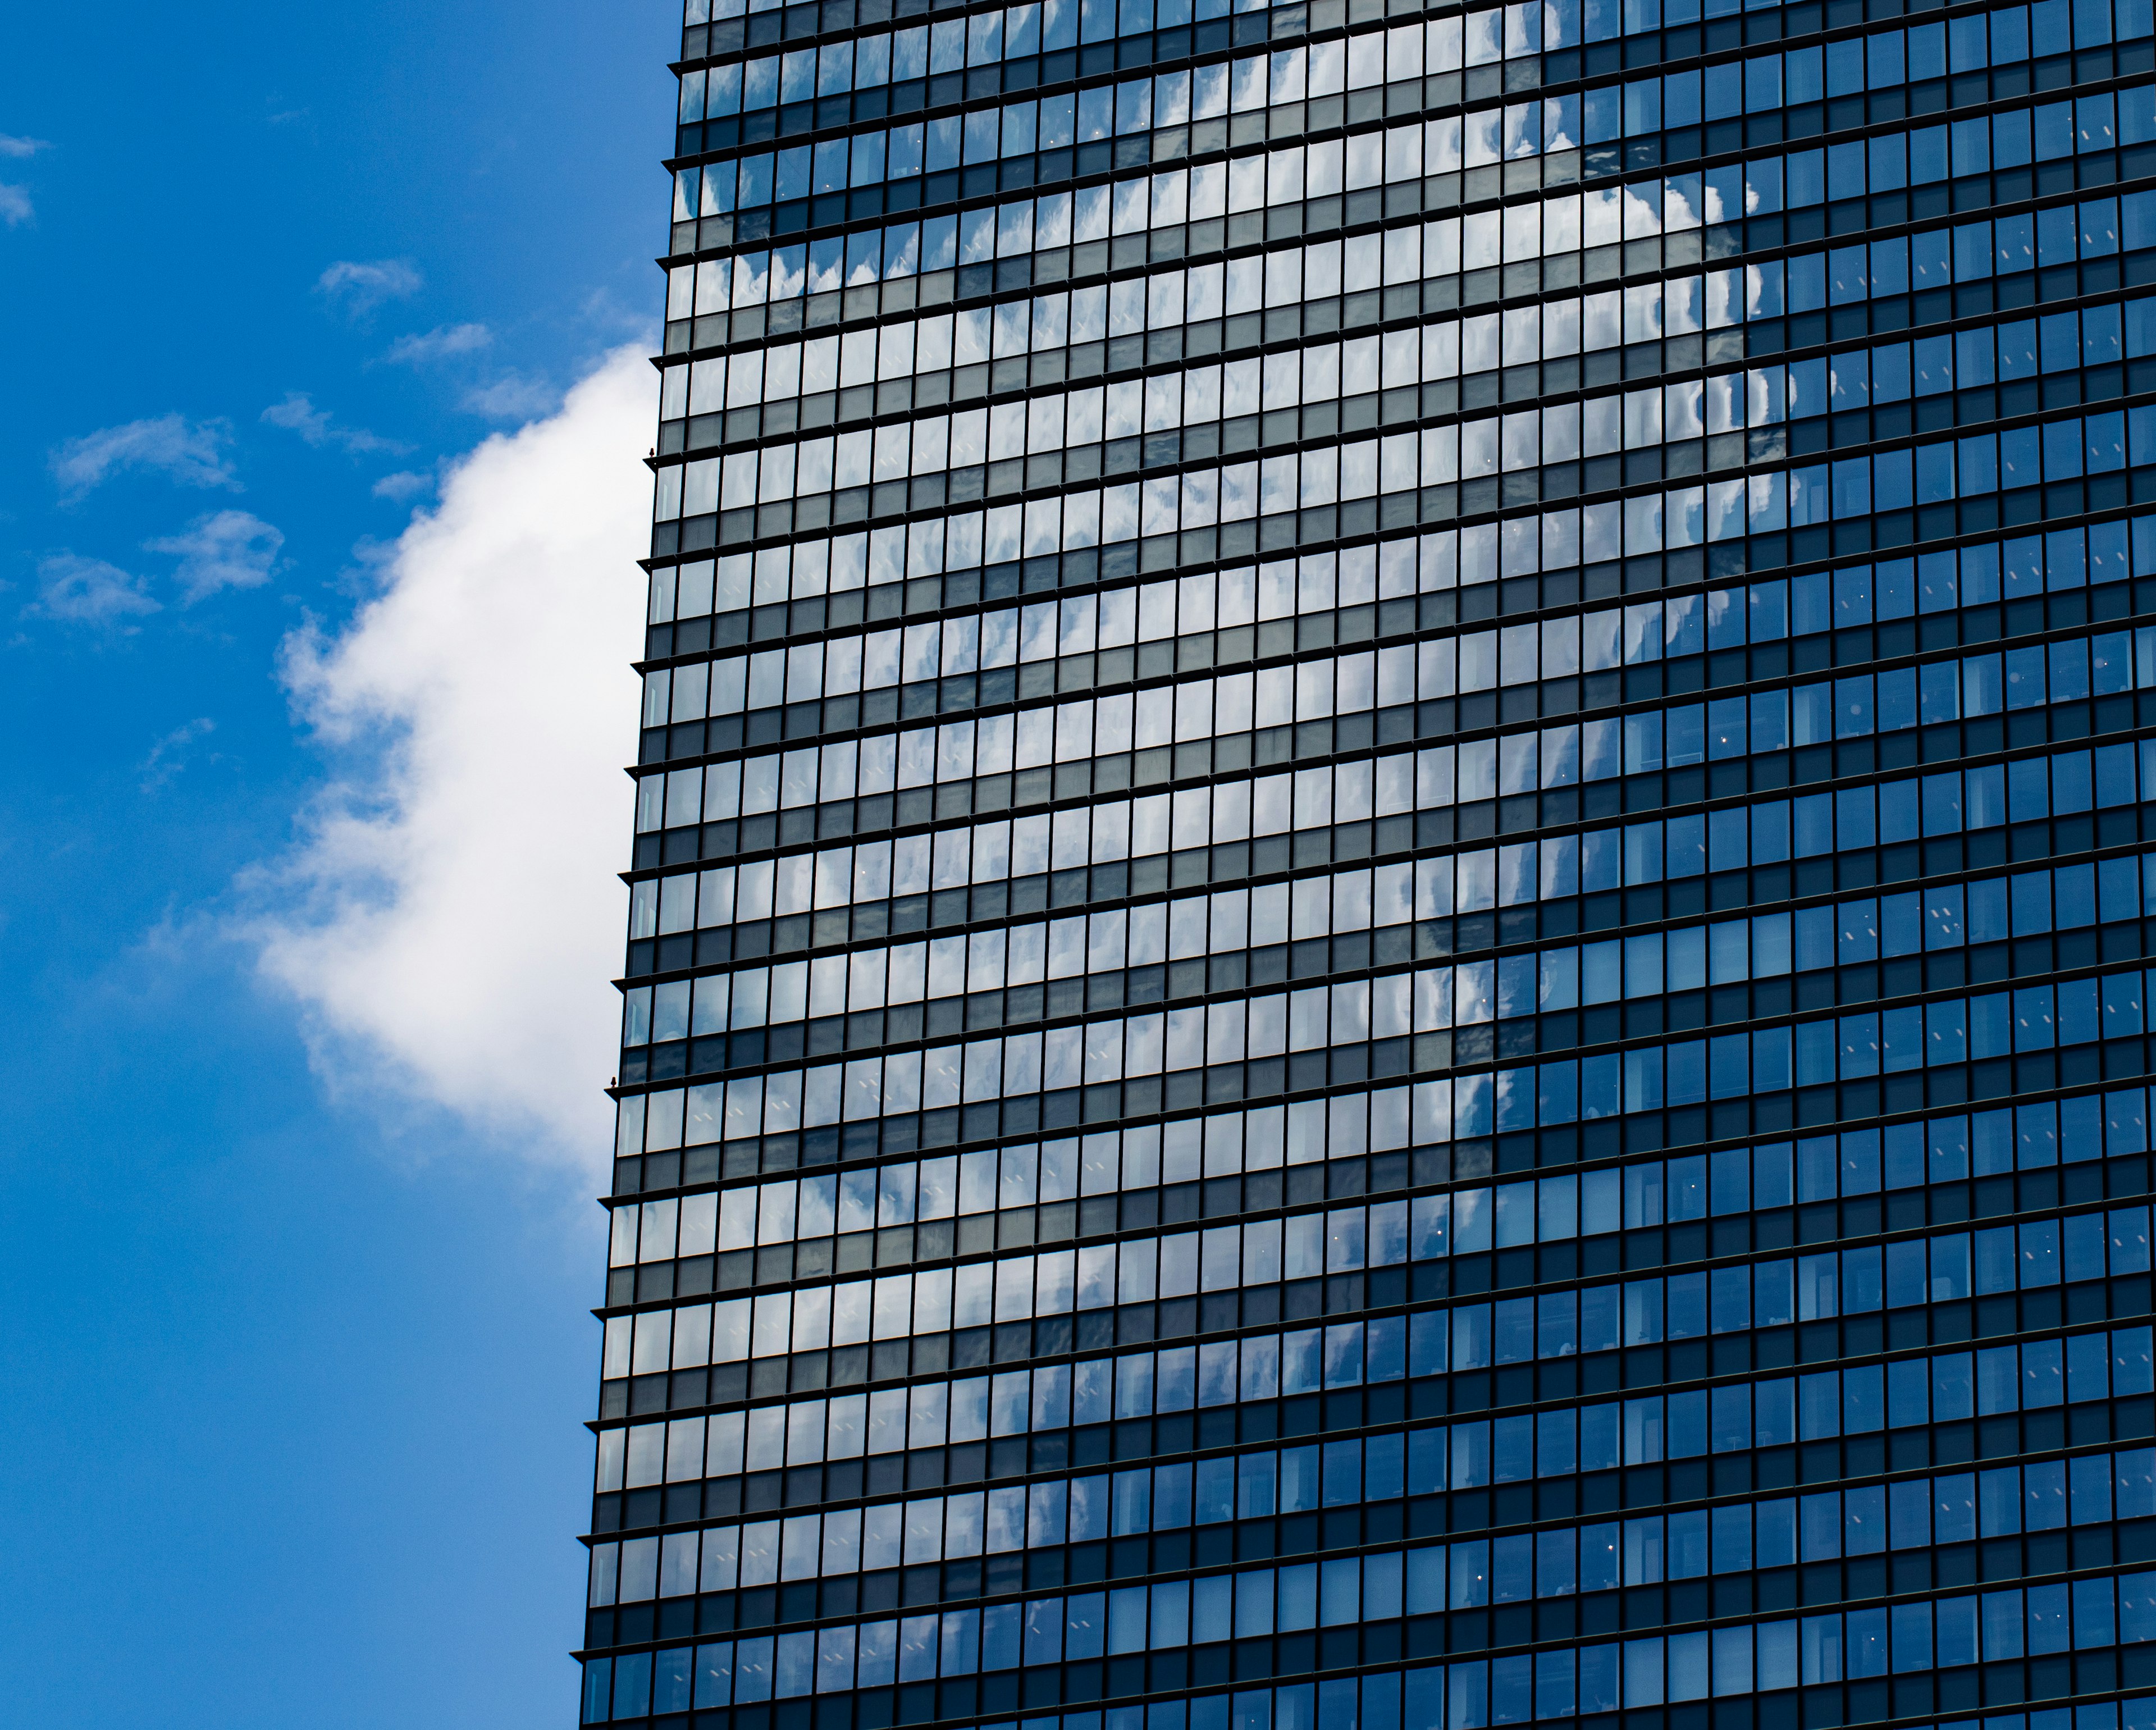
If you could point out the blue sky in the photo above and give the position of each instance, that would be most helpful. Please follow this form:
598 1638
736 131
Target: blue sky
299 1250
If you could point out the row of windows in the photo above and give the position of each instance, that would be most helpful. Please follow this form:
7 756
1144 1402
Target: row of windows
1216 509
1659 852
1556 1562
1368 59
1465 995
1351 476
1944 1032
2028 1136
1508 1691
1324 317
1401 256
1364 1364
1603 1319
1550 228
1772 1293
1845 68
1376 1240
2027 1020
1179 1153
1320 374
1431 781
1401 55
1372 702
1517 32
1012 33
1130 113
1275 488
1940 1150
1768 1294
1638 637
1015 1559
902 1436
1558 1145
1644 1549
1860 1045
1422 782
1600 1318
1606 319
1132 836
1557 1326
1023 850
1202 720
1014 1180
1130 840
1723 509
1643 1673
1944 1509
941 969
1262 1602
2031 1019
1635 423
1163 404
1800 217
920 554
681 1450
1943 917
1404 52
1643 633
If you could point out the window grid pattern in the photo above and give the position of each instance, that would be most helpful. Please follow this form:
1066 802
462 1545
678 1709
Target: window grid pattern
1392 902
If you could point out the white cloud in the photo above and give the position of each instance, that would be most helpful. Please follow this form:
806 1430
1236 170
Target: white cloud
318 427
443 341
401 485
88 590
168 756
226 549
449 918
514 396
360 287
15 206
190 453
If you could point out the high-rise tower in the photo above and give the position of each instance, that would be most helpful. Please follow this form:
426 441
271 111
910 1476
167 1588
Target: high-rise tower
1386 951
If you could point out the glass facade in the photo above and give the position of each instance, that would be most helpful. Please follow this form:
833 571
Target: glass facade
1387 958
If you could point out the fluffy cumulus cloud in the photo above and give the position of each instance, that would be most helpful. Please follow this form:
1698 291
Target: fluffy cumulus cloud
191 453
449 916
226 549
82 591
359 286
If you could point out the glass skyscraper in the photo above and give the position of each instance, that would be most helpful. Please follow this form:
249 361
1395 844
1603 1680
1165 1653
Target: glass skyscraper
1387 932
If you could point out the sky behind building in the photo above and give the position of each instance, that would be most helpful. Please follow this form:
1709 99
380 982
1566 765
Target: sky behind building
290 1270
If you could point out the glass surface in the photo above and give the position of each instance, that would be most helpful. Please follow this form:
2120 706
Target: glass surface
1388 931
